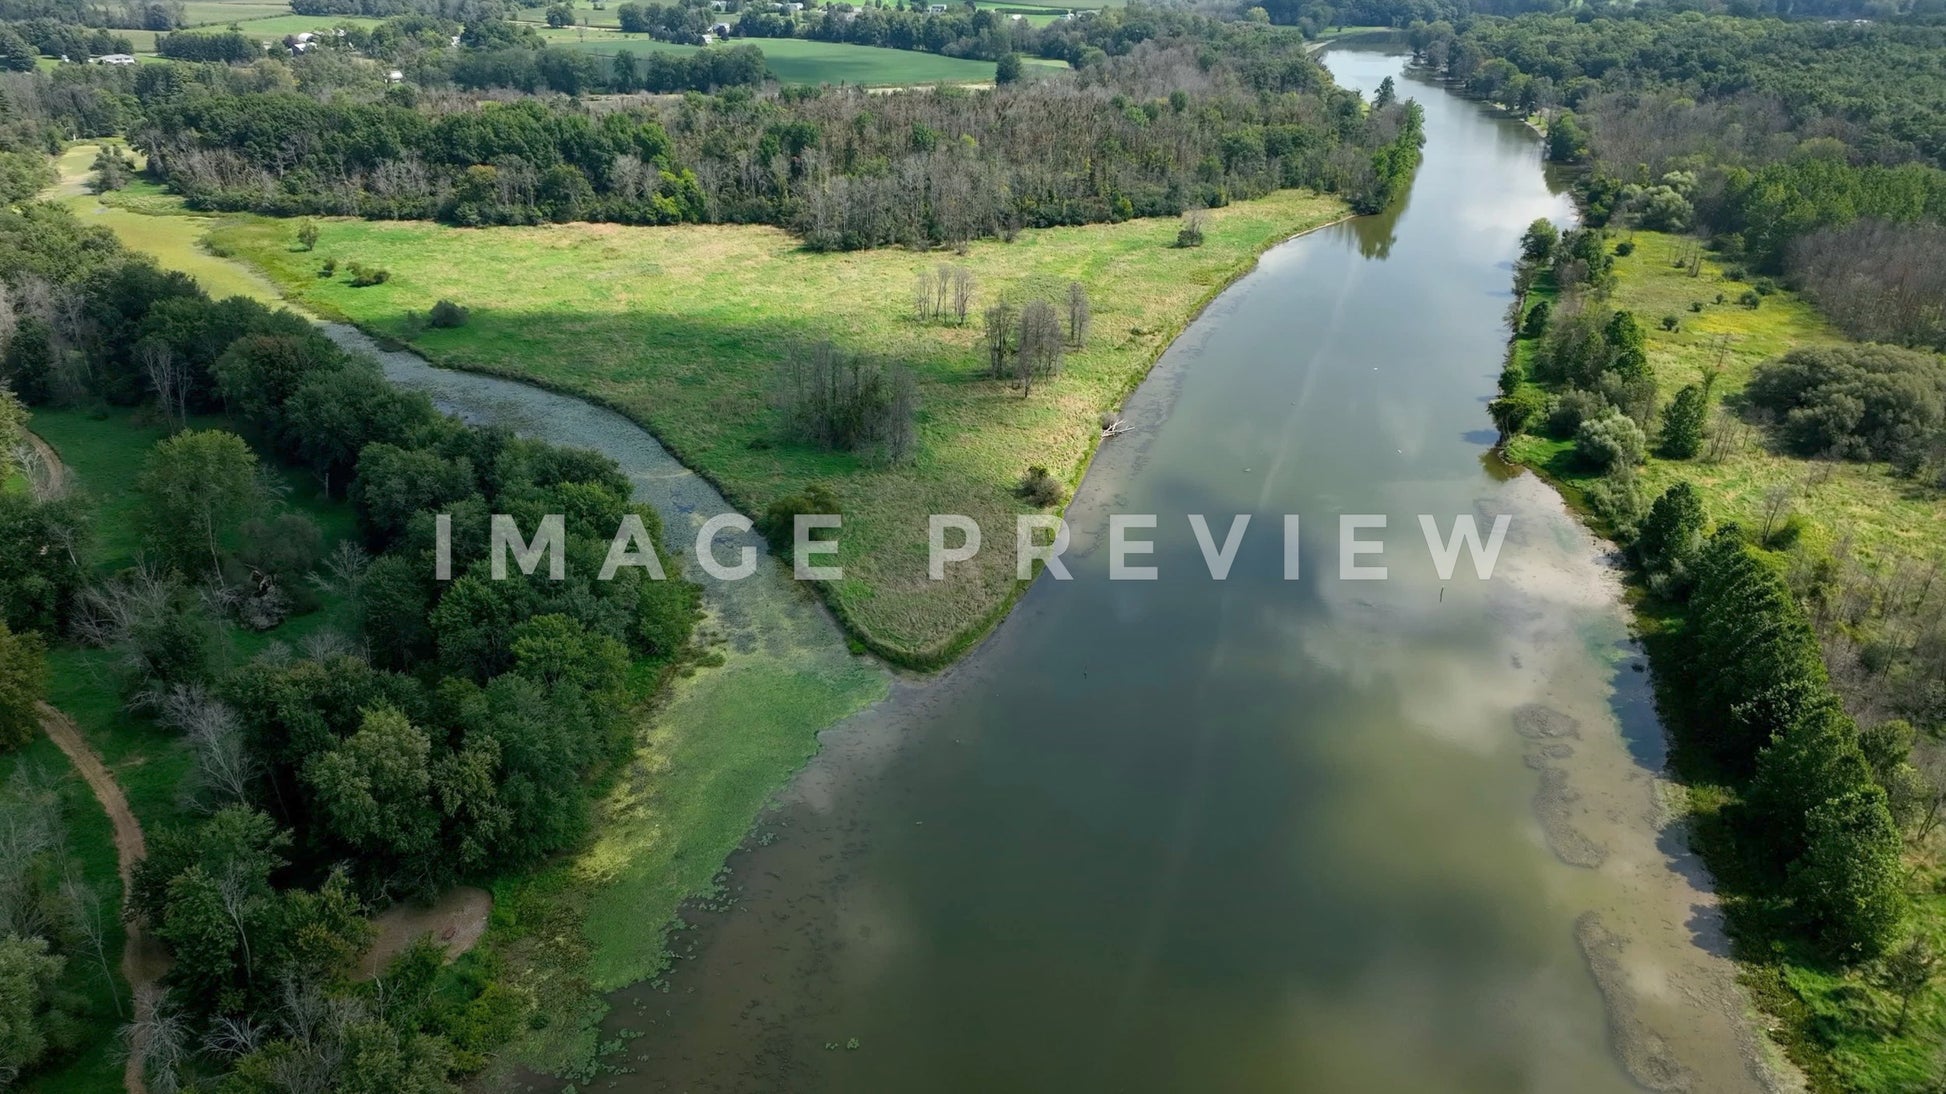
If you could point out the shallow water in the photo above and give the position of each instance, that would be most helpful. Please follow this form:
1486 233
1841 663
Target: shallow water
1258 834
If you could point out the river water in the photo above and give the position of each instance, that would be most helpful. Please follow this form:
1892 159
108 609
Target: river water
1252 835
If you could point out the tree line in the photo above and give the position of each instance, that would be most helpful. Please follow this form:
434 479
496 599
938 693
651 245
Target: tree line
1156 126
442 730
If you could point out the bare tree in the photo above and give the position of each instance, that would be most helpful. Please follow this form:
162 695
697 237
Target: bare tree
159 1039
1777 503
1078 313
168 374
962 293
88 923
942 289
922 295
1040 347
1000 335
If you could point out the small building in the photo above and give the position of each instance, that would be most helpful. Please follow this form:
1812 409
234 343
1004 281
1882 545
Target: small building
936 9
115 59
394 76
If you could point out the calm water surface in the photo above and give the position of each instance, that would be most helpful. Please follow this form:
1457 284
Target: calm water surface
1259 835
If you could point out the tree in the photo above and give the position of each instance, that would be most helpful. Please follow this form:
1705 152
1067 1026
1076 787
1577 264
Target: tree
1907 972
196 487
1537 245
23 681
962 293
1847 883
1000 339
1536 323
1387 94
374 795
307 234
1671 537
1078 313
1040 345
1008 70
13 430
1684 421
29 979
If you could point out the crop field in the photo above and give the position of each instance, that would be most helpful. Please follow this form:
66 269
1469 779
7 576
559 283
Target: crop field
684 329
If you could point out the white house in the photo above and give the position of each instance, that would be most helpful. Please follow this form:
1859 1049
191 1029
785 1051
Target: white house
115 59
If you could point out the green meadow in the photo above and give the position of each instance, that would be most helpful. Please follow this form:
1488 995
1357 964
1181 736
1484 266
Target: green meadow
803 61
684 328
1880 516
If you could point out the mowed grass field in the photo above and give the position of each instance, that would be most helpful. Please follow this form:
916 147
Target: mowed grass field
684 328
1882 517
803 61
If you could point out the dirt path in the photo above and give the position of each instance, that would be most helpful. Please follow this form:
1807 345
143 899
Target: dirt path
51 465
142 961
455 921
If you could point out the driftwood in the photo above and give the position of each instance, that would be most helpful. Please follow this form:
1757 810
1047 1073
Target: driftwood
1116 430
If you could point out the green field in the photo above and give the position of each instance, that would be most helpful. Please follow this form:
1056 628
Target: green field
200 13
683 328
803 61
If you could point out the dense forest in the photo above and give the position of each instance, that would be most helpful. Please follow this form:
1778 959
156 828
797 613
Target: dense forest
444 729
1177 113
1811 151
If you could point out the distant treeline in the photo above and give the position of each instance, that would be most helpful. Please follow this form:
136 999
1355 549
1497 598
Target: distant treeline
1805 149
1208 114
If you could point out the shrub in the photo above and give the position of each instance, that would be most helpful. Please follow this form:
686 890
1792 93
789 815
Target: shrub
1191 232
1040 488
1535 324
329 269
1751 299
1671 323
1864 402
779 522
1566 411
363 276
1609 442
1625 248
446 314
1696 305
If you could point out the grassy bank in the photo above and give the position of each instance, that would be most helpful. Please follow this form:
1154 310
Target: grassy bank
683 328
1839 1025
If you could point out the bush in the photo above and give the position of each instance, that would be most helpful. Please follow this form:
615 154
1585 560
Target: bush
446 314
329 269
1751 299
1696 305
1671 323
1041 489
779 522
363 276
1625 248
1566 411
1863 402
1610 442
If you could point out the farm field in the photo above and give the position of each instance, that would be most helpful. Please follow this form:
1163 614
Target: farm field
684 329
803 61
